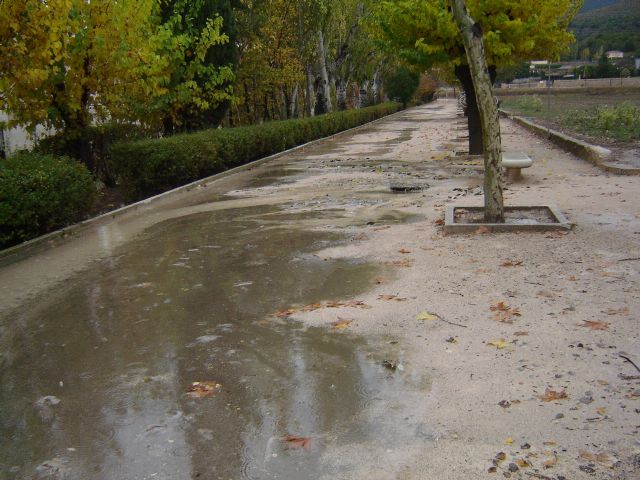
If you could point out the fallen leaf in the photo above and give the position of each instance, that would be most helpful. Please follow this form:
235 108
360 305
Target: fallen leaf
556 234
573 278
203 389
298 442
499 343
501 456
481 230
404 250
399 263
617 311
594 325
601 410
341 324
552 395
483 270
285 313
391 297
504 313
522 463
512 263
504 403
508 441
311 307
521 334
439 222
602 458
424 315
357 304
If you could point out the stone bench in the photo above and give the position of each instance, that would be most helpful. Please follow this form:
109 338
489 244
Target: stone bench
514 162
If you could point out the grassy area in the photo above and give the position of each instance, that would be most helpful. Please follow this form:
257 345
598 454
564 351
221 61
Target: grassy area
608 117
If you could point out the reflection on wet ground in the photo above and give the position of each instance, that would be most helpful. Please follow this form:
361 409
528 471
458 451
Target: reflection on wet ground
94 375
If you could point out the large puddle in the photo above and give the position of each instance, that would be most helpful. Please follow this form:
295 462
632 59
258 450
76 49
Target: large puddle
94 376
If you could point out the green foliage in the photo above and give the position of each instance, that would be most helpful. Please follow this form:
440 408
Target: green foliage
424 33
148 167
621 122
401 84
41 193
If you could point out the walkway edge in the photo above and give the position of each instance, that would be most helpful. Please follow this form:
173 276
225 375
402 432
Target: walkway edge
599 156
65 233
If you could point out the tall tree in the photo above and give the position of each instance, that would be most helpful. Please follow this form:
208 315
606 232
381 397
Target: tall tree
65 63
424 32
199 84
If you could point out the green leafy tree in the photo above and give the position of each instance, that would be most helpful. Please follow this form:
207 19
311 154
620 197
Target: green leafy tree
424 33
401 84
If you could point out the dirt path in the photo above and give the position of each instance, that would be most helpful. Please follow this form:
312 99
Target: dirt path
519 337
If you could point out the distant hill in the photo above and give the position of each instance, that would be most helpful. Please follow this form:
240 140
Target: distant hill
615 26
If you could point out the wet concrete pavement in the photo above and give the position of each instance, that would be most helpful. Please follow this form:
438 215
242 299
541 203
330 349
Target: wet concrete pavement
287 285
103 335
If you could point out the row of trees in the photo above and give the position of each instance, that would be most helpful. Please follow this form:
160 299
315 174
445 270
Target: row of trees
188 64
182 65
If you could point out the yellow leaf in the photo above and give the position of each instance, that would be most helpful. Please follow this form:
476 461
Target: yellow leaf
508 441
499 343
341 324
426 316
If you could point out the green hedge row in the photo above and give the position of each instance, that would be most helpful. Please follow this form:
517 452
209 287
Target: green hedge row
148 167
40 193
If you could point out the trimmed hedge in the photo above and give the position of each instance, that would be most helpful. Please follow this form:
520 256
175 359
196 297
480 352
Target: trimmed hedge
148 167
40 193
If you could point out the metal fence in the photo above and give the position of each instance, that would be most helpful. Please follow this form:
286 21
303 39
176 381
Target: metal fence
581 83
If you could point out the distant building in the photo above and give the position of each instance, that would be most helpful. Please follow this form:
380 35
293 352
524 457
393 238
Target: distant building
614 54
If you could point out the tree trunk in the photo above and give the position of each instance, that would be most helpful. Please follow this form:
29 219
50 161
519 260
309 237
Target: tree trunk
463 73
488 110
293 102
324 93
310 97
341 93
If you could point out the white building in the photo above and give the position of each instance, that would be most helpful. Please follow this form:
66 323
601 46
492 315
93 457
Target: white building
614 54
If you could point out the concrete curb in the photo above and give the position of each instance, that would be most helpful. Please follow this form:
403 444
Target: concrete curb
65 233
599 156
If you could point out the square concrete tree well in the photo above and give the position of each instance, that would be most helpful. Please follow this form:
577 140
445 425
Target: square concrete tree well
526 218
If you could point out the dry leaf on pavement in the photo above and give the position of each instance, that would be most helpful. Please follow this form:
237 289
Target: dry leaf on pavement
499 343
552 395
424 315
203 389
293 441
341 324
594 325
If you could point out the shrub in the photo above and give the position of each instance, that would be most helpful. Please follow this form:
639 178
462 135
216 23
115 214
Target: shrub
621 122
40 193
148 167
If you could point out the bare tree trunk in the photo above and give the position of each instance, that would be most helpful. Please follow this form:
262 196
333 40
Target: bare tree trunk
293 102
310 97
325 90
472 39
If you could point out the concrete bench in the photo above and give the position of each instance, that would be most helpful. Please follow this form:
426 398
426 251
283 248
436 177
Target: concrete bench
514 162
